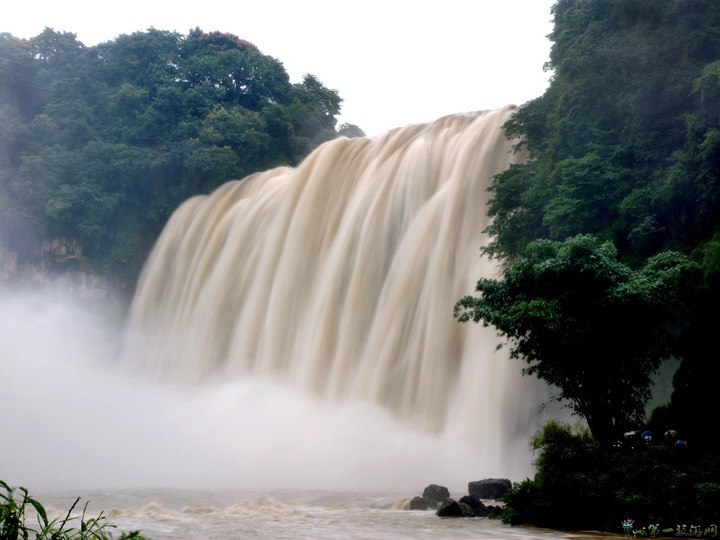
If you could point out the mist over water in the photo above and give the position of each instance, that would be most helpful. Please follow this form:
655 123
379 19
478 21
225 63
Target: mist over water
72 418
290 331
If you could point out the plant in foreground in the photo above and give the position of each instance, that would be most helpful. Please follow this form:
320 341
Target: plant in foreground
14 525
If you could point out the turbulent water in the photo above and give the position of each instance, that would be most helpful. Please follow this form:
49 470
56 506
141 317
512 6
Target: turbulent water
340 276
307 375
314 515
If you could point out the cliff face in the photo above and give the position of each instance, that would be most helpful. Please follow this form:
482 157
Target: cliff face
56 262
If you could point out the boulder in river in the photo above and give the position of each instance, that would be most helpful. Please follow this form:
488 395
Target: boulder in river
436 493
418 503
490 488
478 508
453 508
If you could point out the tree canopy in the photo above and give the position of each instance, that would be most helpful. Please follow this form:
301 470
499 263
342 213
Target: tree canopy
624 145
100 144
588 324
609 237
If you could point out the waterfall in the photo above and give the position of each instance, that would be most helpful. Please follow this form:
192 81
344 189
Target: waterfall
340 276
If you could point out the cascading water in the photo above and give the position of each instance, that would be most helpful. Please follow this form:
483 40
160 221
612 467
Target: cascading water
340 276
284 316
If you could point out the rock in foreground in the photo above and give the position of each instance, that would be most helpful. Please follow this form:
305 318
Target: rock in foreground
478 508
453 508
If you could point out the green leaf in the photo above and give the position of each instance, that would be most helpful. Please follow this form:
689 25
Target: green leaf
39 509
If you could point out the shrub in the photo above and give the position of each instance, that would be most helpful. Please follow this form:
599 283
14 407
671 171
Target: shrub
581 485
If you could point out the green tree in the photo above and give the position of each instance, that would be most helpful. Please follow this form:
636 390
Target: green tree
350 131
19 88
588 324
623 142
100 144
313 110
625 145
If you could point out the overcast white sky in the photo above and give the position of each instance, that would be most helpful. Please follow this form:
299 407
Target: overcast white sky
394 62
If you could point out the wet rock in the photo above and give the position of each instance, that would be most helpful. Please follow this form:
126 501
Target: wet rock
419 503
453 508
494 511
435 493
478 508
490 488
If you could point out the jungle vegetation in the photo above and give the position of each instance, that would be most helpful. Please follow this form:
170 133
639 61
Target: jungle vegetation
99 145
609 237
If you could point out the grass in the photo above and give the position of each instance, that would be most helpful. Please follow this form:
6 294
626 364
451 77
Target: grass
15 523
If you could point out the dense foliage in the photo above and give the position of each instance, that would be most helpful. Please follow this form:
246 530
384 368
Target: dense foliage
98 145
624 150
581 485
587 324
625 143
625 146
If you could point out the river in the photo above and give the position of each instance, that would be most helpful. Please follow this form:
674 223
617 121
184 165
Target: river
231 515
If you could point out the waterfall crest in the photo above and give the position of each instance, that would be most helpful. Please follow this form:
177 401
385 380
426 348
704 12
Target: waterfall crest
340 276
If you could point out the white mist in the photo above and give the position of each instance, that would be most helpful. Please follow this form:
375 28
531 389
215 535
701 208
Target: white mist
72 419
